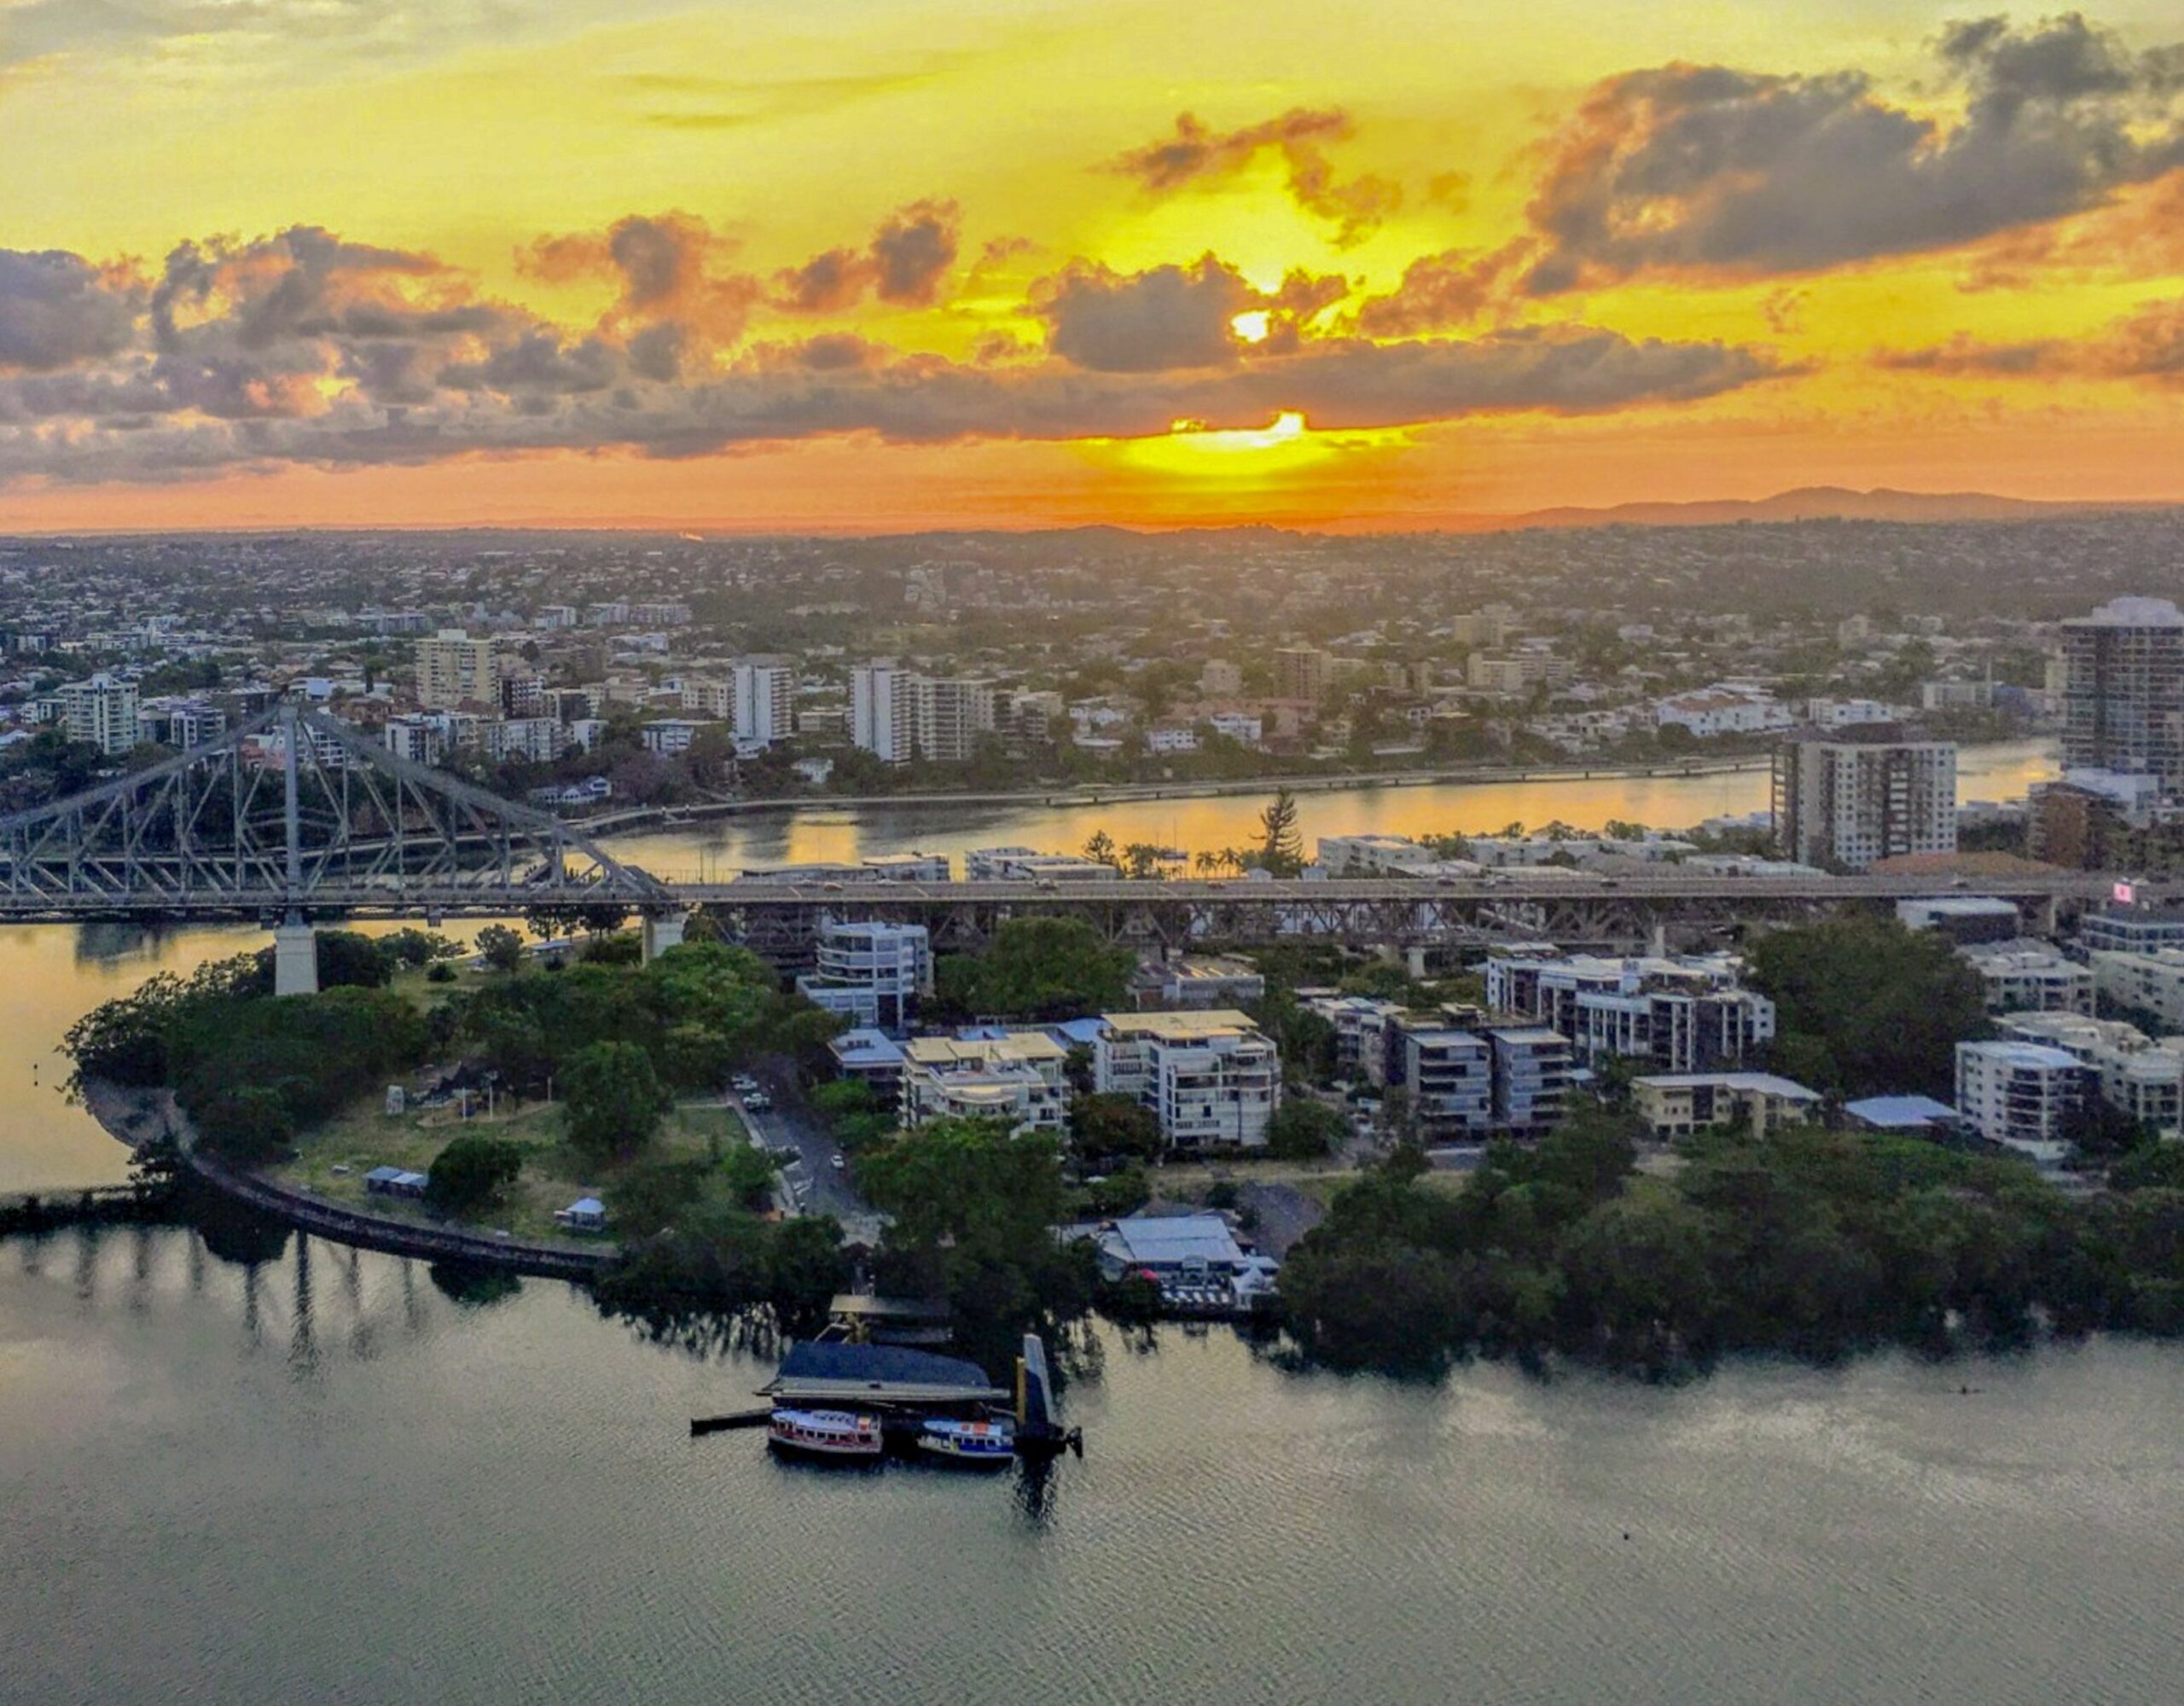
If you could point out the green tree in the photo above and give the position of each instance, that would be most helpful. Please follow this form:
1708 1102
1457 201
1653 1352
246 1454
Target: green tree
612 1100
974 1206
1305 1128
1044 969
471 1174
1100 849
1107 1128
1281 844
502 948
1887 1006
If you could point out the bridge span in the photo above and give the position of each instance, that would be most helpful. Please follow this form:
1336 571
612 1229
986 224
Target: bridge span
295 818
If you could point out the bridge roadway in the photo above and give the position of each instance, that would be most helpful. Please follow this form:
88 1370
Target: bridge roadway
1564 905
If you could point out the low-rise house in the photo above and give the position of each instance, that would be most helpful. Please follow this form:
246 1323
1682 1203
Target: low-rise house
1912 1116
871 1056
586 1214
1677 1104
395 1181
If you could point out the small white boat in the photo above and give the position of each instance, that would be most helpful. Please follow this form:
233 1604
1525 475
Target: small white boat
979 1445
833 1435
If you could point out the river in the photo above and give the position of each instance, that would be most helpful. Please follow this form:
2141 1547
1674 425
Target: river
718 847
324 1478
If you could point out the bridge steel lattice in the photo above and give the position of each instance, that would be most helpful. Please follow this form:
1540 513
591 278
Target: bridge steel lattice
293 815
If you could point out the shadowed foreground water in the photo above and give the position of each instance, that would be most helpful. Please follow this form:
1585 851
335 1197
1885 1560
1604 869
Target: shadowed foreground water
333 1482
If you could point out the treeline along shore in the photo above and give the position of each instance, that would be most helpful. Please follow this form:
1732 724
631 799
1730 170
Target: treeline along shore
1816 1243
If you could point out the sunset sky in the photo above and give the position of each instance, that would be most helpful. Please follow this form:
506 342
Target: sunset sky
848 264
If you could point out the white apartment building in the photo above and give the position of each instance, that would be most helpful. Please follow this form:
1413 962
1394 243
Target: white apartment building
1449 1070
101 712
1014 1076
1677 1014
1373 855
2024 975
2022 1094
672 736
873 972
2149 982
2136 1075
1532 1079
1212 1078
883 711
453 670
1847 803
953 711
764 705
539 740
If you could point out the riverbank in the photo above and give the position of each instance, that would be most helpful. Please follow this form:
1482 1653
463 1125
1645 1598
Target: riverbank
139 1117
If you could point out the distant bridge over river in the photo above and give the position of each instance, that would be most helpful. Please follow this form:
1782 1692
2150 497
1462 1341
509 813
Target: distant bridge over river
295 818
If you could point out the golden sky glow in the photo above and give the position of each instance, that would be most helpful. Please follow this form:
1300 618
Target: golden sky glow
844 264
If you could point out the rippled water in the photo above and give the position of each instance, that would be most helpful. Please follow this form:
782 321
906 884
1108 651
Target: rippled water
325 1479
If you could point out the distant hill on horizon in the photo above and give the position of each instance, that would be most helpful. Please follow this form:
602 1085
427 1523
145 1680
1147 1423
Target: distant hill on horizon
1804 504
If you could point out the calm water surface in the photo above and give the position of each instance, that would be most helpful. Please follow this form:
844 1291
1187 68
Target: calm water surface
322 1478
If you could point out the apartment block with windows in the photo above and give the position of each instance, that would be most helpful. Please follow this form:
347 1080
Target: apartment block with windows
873 972
101 711
764 701
1014 1076
1856 796
1212 1078
2123 690
453 670
2024 1095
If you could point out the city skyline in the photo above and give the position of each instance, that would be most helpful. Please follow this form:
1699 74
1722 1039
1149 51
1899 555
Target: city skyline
894 267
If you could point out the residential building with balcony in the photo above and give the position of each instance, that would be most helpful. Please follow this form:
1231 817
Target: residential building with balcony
1212 1079
2024 1095
1014 1076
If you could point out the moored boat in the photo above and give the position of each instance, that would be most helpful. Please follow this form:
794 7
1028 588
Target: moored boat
974 1445
833 1436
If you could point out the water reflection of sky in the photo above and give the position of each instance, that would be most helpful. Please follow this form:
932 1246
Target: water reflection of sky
718 847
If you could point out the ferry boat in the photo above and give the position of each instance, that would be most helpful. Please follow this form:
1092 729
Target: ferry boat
974 1445
835 1435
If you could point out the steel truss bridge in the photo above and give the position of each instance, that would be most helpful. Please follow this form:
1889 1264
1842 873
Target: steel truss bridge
292 816
295 816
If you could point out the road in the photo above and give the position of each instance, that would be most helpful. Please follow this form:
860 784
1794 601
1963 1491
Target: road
818 1186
